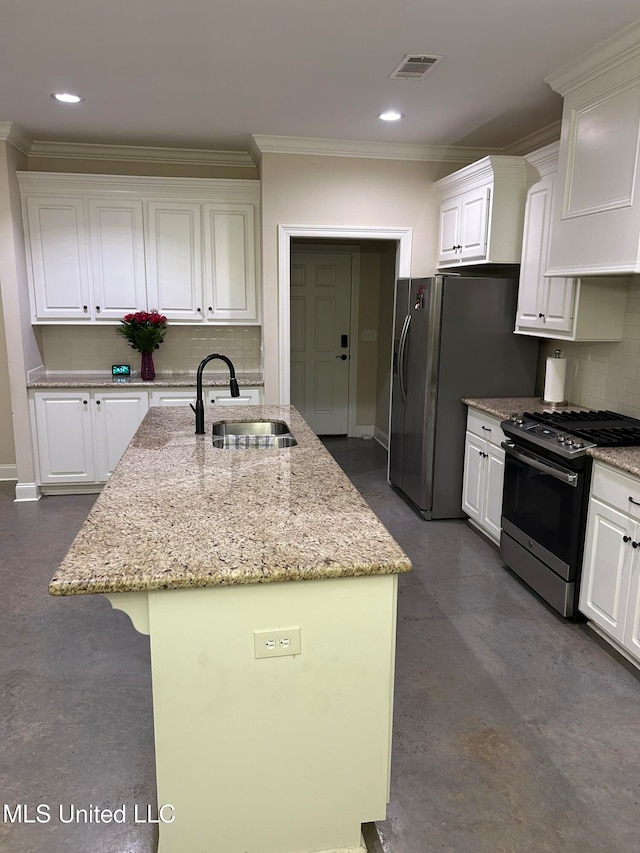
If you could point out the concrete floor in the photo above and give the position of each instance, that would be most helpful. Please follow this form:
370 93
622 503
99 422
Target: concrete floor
514 730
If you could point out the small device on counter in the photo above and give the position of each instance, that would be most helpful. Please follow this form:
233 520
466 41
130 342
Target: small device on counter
554 379
121 372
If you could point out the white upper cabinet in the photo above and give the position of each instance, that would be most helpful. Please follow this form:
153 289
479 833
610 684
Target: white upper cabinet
101 246
57 253
573 309
481 212
117 257
596 211
230 262
174 260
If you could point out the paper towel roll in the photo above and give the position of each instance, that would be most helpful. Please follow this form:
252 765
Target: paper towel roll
554 380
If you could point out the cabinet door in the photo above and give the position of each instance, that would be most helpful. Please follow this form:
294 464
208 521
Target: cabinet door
631 639
222 397
473 479
58 258
543 303
229 262
173 397
116 417
449 230
117 257
63 429
493 486
174 264
535 245
604 587
558 304
474 224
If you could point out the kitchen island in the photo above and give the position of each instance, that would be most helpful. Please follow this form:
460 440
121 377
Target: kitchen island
268 589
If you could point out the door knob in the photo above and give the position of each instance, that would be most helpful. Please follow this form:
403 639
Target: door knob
342 357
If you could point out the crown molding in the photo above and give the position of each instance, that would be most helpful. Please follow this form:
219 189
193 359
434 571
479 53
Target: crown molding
503 167
539 138
140 153
545 160
206 189
614 51
262 144
16 137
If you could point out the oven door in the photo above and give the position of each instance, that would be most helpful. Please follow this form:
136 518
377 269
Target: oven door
543 507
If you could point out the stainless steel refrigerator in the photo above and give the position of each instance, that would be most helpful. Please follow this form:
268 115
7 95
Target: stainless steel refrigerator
453 338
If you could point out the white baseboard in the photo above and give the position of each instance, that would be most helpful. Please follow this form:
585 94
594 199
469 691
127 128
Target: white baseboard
8 472
27 492
361 431
381 437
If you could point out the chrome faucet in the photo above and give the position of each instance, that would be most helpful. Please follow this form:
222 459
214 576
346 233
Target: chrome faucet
233 387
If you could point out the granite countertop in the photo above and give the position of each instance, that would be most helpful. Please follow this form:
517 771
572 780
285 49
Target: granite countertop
626 459
179 513
210 379
503 407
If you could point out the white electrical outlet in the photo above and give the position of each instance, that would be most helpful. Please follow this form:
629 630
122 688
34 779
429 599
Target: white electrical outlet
273 644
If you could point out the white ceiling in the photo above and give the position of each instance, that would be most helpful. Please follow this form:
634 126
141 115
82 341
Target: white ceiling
209 73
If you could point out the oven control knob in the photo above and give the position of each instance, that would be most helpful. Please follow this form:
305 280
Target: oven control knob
568 442
578 444
561 437
519 421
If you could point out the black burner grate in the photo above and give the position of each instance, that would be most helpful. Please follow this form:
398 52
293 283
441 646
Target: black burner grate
604 428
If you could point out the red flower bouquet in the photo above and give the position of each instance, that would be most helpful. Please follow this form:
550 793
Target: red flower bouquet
145 330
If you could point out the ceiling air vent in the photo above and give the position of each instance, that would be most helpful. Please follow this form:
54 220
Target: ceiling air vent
414 67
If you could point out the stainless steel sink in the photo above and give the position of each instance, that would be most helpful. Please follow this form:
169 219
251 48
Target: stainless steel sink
252 435
251 428
253 442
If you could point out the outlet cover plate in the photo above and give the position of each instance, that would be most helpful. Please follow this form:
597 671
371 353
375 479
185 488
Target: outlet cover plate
277 643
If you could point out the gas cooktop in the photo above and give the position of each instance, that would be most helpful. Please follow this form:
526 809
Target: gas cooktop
572 433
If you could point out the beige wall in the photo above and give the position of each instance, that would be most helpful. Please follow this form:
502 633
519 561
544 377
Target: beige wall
23 353
605 375
368 302
385 340
312 191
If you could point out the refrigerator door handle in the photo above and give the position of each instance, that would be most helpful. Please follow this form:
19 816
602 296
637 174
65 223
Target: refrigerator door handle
401 355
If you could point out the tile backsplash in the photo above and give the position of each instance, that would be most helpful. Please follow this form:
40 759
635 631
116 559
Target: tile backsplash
605 375
93 349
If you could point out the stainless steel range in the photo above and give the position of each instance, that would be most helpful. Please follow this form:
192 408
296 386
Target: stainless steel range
546 489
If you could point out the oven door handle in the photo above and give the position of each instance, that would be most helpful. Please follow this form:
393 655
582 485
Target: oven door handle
565 476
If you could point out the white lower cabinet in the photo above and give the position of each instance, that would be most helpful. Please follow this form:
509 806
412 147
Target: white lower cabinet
483 473
217 396
81 435
116 415
610 586
64 436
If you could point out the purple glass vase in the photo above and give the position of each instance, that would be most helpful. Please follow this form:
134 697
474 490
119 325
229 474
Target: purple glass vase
147 370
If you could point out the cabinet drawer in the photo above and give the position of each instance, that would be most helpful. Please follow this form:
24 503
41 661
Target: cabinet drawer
616 489
485 426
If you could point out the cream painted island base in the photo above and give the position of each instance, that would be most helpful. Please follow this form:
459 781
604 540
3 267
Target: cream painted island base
268 589
270 755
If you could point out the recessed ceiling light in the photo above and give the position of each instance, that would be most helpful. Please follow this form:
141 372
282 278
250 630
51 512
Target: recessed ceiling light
390 115
67 97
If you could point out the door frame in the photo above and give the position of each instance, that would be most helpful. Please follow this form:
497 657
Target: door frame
402 236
